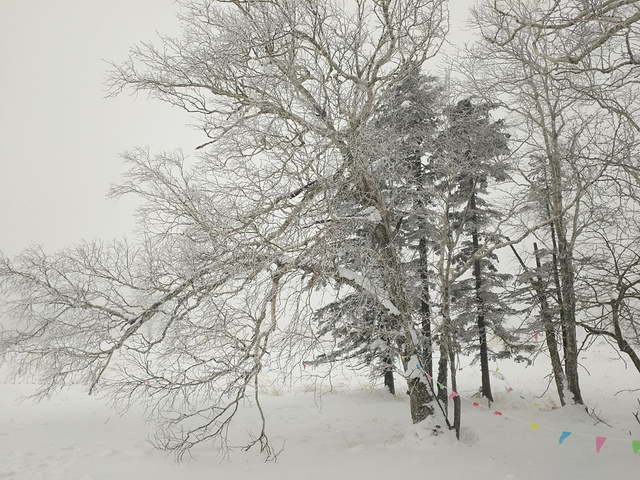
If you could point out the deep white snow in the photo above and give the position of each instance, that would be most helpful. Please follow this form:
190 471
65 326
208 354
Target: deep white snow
355 431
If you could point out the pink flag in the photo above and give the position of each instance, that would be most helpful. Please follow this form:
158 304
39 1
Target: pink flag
429 377
509 390
497 413
535 335
599 442
451 395
476 404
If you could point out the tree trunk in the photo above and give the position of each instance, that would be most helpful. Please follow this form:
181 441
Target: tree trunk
457 407
420 400
556 280
389 380
443 362
622 343
549 330
420 397
445 348
425 308
565 264
482 328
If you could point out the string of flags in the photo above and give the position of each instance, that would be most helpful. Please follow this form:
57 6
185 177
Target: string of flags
564 435
499 375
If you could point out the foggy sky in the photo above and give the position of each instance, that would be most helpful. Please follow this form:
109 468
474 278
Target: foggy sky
60 139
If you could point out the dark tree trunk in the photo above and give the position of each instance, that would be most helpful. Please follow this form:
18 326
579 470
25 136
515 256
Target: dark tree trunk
566 274
622 343
420 397
443 365
556 280
446 347
425 307
457 407
482 328
420 400
389 380
549 330
571 353
556 270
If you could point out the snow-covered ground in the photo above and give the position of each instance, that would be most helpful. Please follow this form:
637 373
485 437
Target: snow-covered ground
354 432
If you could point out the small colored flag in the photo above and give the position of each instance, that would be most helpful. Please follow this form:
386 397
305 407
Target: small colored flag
563 437
429 377
599 442
635 444
441 386
509 390
534 426
452 395
497 413
476 404
535 335
417 366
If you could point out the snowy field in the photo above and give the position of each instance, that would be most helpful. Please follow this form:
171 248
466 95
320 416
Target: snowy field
353 432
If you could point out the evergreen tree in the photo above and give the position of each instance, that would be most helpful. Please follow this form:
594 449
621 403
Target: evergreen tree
406 122
478 145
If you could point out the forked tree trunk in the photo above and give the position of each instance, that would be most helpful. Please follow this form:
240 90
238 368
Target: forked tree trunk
549 329
556 280
622 343
447 350
420 398
566 274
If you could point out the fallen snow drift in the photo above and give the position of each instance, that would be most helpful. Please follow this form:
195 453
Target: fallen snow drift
353 432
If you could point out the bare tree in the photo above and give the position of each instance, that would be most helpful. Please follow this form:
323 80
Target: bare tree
234 242
609 279
546 58
595 44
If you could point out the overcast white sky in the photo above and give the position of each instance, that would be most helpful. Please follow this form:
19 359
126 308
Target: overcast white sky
60 139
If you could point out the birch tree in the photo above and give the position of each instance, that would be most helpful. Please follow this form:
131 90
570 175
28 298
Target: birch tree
595 44
187 316
470 150
547 61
